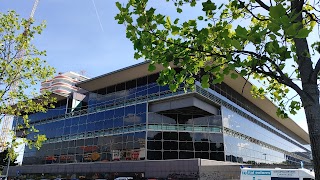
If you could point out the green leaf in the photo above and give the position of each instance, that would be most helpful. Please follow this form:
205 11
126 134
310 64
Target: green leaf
207 68
205 78
192 23
292 29
118 5
168 23
176 21
175 30
190 80
193 3
277 11
138 45
208 6
179 10
137 55
173 87
274 27
243 72
241 32
303 33
235 43
152 67
205 84
234 76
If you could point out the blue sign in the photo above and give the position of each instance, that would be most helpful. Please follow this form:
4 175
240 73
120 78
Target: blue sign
259 172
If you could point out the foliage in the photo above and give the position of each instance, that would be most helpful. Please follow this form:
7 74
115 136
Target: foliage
20 70
211 44
264 40
4 157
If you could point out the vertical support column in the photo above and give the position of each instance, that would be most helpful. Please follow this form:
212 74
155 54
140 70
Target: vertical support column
147 123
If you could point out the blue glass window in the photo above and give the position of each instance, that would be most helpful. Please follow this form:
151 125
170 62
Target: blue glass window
99 125
164 88
130 110
119 112
131 93
99 116
91 118
83 119
67 122
108 124
131 119
109 114
66 130
74 130
90 126
75 121
153 88
141 108
118 122
142 118
82 128
141 91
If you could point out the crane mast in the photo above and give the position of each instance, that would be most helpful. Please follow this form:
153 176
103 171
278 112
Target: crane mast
8 119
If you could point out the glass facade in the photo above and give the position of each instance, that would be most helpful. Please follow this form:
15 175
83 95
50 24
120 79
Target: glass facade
183 136
112 127
114 124
99 136
247 151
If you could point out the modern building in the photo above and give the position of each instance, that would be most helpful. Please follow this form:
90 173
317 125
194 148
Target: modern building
128 125
63 83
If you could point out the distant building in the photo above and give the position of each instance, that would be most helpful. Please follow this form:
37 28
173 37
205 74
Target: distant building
126 125
63 83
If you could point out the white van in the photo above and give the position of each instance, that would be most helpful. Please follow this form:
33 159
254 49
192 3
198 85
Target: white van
276 174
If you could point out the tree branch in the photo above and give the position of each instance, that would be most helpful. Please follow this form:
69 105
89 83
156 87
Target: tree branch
254 14
282 78
247 79
312 16
263 5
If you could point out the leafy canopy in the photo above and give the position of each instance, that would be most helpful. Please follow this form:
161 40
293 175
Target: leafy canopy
20 70
253 38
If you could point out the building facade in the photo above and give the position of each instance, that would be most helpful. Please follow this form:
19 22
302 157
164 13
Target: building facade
63 83
127 119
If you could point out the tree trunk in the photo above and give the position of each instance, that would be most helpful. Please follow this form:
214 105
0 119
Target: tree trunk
312 112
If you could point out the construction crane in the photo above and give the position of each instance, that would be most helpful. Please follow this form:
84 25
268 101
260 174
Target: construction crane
8 119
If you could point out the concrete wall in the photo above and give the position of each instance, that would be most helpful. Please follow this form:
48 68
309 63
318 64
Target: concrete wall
156 169
224 172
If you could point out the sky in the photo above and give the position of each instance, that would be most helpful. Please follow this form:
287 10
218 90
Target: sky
83 36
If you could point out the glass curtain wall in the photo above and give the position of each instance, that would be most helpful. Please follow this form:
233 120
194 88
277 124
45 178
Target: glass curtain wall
114 111
253 144
120 110
182 136
77 139
129 146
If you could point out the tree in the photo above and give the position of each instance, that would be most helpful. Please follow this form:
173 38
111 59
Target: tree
20 70
264 40
4 160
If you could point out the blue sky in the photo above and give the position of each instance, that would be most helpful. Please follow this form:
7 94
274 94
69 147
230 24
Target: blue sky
76 41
